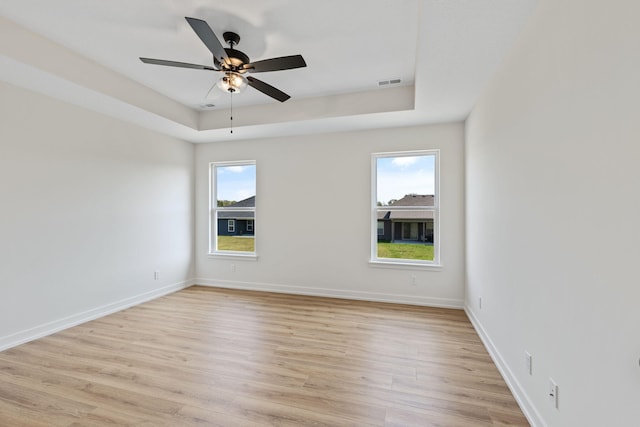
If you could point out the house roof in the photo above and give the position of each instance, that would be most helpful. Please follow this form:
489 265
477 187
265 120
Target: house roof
415 200
249 202
235 215
409 200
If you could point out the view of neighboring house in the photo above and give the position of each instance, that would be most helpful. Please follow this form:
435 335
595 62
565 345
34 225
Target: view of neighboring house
237 223
395 225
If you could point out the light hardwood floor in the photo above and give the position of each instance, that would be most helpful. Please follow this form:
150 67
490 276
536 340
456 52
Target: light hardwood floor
214 357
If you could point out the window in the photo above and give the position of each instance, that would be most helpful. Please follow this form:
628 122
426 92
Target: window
233 208
405 208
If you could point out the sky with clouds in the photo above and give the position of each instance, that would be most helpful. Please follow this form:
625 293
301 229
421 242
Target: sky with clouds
399 176
396 177
235 182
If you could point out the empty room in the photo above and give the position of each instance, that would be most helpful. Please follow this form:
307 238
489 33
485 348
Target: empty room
336 213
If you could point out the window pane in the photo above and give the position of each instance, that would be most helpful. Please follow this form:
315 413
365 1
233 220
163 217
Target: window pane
408 238
233 207
398 177
234 184
236 230
405 207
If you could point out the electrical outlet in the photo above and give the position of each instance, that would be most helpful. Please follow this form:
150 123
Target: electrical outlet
553 393
480 303
413 280
233 268
156 275
528 363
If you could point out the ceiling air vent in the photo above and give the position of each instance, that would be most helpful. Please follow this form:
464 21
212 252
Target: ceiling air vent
207 105
390 82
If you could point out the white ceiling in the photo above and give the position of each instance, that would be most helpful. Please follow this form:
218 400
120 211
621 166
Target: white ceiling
444 51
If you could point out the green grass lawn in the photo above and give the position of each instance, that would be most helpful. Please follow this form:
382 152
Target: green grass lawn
405 251
234 243
385 250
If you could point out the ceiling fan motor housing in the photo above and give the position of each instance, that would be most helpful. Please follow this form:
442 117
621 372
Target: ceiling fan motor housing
237 59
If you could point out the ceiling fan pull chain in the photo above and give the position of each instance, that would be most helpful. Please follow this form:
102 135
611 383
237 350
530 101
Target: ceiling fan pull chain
210 89
231 93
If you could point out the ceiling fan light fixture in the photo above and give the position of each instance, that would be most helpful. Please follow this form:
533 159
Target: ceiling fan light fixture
232 82
234 63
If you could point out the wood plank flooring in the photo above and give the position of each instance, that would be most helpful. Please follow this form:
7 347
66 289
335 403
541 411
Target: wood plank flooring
214 357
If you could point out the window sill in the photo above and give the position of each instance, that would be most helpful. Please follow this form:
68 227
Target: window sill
404 265
232 255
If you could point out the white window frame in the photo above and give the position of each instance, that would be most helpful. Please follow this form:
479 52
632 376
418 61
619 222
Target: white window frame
250 225
214 210
436 262
231 226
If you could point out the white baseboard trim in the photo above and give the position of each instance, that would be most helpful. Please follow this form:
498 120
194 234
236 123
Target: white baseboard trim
528 409
333 293
49 328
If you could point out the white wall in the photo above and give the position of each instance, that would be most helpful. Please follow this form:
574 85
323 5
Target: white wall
313 216
553 209
91 207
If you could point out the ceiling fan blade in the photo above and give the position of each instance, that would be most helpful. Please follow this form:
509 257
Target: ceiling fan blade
208 37
267 89
276 64
176 64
